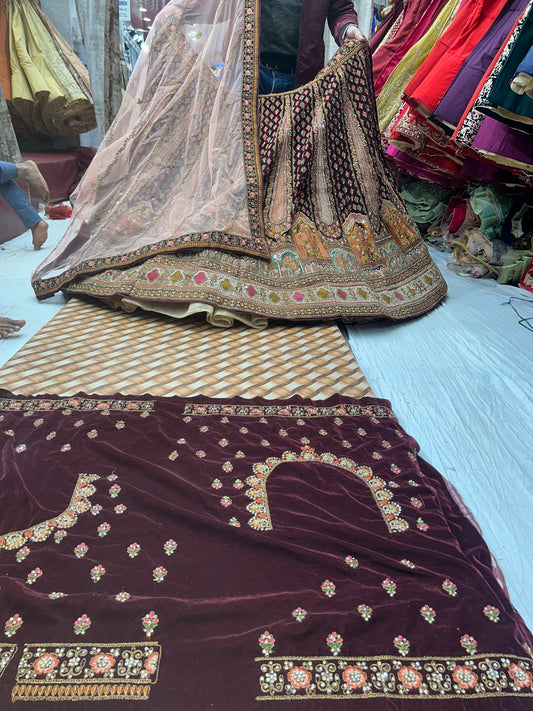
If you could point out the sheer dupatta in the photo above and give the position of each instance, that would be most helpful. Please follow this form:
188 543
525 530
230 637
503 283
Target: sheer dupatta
179 167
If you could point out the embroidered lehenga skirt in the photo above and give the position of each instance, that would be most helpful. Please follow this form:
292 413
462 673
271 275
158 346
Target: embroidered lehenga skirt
329 236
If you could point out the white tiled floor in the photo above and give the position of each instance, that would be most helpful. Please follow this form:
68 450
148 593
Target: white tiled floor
459 380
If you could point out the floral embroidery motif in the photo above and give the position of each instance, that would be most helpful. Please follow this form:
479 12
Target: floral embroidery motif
223 442
334 642
119 509
283 433
56 595
50 436
239 454
520 676
95 510
170 546
449 587
79 503
402 644
133 550
66 448
217 484
299 614
390 586
412 482
91 672
417 503
238 484
112 477
328 588
82 624
469 643
365 611
367 677
492 613
234 522
261 520
346 410
13 625
428 613
103 529
59 535
122 596
377 455
410 678
97 573
407 563
421 525
120 424
228 467
78 404
159 574
34 575
20 448
351 561
200 454
173 455
22 554
115 490
267 642
395 469
149 623
225 501
92 434
204 429
346 444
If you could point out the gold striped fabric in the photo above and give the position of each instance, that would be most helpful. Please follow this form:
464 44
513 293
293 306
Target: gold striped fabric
90 348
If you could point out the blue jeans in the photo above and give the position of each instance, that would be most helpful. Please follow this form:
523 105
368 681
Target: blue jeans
15 196
272 82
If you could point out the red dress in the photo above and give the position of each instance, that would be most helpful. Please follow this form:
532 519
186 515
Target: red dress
431 81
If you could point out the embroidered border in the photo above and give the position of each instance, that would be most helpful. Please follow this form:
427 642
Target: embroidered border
75 403
79 503
261 520
7 652
87 672
313 678
348 410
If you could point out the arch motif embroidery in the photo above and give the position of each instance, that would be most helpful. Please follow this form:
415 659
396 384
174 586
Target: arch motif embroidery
79 503
261 520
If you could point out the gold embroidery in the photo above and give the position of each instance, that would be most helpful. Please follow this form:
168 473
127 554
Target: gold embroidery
89 672
75 404
7 652
261 520
79 503
340 678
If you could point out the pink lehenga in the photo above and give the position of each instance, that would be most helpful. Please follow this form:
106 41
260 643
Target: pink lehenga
204 197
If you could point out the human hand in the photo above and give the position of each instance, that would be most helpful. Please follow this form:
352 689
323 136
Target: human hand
354 33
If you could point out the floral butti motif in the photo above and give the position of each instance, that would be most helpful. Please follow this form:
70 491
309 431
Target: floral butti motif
266 642
299 614
149 623
82 624
13 625
365 611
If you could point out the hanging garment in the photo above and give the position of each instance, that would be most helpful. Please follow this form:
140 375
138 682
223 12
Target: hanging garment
277 208
390 97
49 87
416 19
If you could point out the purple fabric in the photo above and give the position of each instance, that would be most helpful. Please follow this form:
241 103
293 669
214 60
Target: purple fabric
496 137
338 13
230 555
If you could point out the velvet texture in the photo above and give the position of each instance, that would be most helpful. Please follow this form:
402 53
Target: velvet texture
192 554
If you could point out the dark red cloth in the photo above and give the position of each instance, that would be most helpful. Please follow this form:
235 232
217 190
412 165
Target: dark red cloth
266 532
338 13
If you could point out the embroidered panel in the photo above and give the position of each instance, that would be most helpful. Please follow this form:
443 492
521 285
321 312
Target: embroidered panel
315 678
87 672
75 404
7 652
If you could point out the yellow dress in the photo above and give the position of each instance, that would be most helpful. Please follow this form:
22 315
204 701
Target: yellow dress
390 97
47 91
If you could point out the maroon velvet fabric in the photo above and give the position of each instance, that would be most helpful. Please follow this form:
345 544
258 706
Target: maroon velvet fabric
311 48
257 511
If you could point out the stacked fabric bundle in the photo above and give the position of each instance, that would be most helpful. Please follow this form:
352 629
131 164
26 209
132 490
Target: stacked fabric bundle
443 74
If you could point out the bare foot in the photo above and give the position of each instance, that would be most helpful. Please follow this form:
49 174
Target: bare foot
39 233
29 171
8 326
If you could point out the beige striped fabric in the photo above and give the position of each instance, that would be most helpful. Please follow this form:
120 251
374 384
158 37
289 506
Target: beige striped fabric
88 347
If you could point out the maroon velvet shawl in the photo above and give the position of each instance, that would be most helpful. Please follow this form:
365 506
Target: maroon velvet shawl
168 554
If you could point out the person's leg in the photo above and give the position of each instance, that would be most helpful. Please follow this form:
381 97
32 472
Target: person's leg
19 201
8 326
273 82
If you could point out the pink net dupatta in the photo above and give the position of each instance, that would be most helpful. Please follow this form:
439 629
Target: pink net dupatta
179 168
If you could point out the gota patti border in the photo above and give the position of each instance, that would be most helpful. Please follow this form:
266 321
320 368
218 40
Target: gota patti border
89 348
